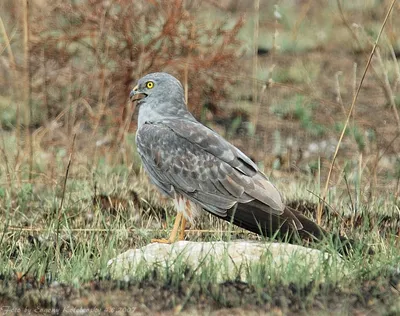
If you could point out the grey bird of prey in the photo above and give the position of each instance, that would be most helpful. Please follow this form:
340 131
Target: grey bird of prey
200 170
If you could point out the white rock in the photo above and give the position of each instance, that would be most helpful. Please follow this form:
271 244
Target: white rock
229 260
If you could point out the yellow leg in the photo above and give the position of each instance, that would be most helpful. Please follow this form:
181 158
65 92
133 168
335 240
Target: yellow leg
174 231
183 226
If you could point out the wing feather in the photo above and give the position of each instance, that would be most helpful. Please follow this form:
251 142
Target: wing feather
256 184
202 166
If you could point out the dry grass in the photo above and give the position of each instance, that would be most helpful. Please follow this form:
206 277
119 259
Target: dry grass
353 103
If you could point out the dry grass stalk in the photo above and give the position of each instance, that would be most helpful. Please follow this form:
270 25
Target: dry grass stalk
385 85
255 62
338 93
60 209
324 193
305 8
388 88
27 83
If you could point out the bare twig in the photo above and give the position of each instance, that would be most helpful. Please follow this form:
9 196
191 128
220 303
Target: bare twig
324 193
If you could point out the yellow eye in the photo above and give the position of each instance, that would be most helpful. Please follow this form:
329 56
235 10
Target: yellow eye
149 84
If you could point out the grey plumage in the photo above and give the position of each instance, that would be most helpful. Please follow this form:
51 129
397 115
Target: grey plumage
186 159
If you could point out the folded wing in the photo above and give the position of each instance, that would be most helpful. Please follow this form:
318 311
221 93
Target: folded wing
188 158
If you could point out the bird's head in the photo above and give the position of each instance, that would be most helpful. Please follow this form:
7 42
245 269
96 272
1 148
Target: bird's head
159 95
158 86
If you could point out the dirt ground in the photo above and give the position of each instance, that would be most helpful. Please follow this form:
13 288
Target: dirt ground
229 298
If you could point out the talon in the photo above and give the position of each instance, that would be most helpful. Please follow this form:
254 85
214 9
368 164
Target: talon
179 225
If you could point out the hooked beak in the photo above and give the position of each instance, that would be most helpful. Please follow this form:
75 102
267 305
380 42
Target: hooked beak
135 92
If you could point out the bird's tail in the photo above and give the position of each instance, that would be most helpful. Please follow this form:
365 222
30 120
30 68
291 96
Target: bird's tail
291 225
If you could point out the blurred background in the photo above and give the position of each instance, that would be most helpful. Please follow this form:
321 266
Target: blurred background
274 77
